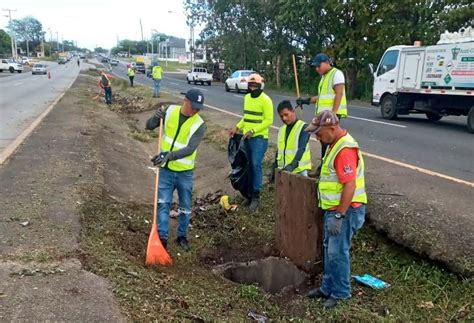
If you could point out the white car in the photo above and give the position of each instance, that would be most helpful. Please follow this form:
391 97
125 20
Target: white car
25 60
238 81
10 65
39 69
199 75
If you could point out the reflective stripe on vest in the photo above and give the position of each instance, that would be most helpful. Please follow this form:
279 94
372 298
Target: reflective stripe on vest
329 187
287 149
326 95
253 113
173 141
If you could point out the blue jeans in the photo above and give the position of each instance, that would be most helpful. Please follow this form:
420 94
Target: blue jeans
169 181
336 277
256 148
156 91
108 95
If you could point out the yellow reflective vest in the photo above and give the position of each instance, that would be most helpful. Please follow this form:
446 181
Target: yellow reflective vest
287 148
258 115
329 187
174 140
130 72
156 72
326 95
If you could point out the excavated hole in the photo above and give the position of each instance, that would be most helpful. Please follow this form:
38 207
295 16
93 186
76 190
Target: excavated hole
272 274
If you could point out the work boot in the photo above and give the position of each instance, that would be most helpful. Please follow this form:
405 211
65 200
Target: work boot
330 303
164 242
255 201
316 293
183 243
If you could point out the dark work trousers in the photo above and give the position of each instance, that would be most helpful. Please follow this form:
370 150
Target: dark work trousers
131 80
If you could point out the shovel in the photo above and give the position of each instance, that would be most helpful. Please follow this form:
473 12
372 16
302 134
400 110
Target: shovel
156 254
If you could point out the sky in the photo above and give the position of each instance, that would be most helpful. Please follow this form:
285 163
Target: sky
100 22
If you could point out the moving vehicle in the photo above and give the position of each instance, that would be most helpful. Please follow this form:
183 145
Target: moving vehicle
39 69
62 60
140 65
199 75
436 80
114 62
238 81
25 60
10 65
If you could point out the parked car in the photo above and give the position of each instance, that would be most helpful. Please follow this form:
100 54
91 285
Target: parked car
25 60
199 75
12 66
238 81
114 62
62 60
39 69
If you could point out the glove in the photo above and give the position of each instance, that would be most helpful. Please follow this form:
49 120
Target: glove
300 101
160 159
289 168
249 134
160 113
335 226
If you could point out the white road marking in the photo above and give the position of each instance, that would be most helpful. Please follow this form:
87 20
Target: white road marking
239 96
173 83
385 159
18 83
200 89
381 122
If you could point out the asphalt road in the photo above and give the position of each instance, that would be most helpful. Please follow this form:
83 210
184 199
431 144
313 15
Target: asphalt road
25 96
445 147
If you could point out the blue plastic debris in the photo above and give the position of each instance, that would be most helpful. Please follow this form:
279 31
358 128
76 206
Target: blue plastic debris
371 281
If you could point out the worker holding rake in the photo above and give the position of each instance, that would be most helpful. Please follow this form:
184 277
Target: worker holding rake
183 130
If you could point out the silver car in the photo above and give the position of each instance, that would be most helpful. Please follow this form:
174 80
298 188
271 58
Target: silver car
238 81
39 69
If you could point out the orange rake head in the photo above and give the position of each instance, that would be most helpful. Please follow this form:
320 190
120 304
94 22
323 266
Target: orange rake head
156 254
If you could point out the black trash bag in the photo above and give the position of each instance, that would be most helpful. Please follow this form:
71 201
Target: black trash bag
240 176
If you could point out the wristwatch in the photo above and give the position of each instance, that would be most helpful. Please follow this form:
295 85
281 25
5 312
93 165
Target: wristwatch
339 215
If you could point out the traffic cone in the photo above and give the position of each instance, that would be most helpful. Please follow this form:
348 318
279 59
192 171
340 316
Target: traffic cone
49 75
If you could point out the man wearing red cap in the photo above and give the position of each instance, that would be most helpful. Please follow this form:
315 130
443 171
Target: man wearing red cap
342 196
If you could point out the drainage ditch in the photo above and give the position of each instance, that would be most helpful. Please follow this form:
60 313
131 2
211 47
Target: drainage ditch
273 275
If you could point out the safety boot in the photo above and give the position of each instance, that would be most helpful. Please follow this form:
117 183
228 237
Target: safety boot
255 201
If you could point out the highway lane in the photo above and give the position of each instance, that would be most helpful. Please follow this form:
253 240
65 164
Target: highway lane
445 147
25 96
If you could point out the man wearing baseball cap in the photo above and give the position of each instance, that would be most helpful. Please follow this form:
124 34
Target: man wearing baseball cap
183 131
342 196
331 90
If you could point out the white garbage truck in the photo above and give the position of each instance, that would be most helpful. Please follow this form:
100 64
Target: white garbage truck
435 80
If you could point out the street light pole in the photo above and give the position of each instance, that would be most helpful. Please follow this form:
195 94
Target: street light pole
12 33
57 41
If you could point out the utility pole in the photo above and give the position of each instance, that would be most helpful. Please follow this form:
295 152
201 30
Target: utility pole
12 36
57 41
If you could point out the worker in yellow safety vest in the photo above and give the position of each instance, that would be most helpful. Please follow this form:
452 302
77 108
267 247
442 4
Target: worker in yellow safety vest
331 90
183 130
342 196
131 74
293 153
156 74
255 124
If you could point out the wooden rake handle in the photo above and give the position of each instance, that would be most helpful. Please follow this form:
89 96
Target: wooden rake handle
157 178
295 71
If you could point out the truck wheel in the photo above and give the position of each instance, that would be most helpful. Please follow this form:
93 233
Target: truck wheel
470 120
189 82
226 87
19 71
388 107
237 88
209 83
195 82
11 69
433 116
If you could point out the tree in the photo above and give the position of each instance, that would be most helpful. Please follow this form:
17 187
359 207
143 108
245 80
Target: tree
5 43
27 30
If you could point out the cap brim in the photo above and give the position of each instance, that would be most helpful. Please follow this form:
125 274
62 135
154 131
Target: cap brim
313 128
197 106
